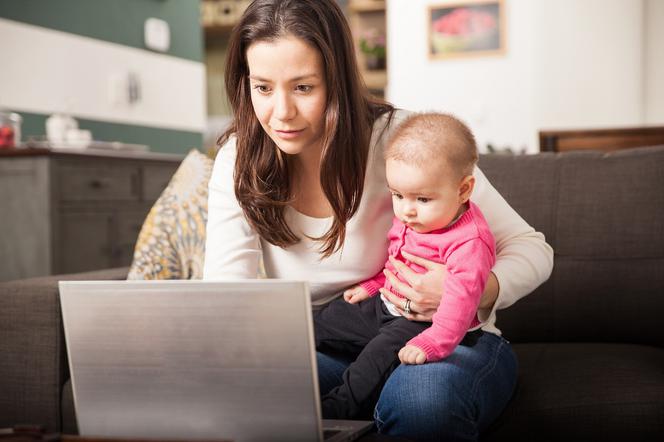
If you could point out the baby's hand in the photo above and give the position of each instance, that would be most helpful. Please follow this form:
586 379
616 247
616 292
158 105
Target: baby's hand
355 295
412 355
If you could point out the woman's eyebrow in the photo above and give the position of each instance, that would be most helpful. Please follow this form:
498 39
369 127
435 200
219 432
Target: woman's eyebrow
303 77
258 78
294 79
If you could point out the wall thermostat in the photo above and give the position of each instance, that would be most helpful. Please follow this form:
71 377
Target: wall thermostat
157 34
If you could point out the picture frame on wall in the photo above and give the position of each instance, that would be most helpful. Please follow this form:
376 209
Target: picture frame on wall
466 28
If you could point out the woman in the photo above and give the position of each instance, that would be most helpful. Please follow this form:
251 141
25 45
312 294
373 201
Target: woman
299 182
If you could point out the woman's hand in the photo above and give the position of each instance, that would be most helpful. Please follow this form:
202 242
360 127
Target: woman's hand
424 290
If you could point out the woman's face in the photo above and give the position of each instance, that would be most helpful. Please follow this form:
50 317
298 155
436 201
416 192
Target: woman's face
288 92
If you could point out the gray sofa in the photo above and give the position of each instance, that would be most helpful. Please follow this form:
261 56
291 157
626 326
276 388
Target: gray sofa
589 343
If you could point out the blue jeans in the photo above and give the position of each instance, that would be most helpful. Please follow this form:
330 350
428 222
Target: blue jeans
453 399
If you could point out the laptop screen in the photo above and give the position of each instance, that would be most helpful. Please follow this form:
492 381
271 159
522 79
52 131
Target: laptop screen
192 359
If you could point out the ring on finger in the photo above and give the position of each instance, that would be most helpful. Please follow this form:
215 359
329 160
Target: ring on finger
406 306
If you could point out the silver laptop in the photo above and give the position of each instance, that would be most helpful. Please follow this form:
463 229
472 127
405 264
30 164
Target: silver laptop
196 360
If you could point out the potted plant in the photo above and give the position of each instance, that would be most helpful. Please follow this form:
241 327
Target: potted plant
372 45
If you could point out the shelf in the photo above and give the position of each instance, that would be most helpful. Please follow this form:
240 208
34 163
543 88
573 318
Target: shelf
219 16
366 5
368 16
218 31
375 80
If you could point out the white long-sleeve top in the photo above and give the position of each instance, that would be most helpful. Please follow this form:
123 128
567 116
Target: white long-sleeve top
233 249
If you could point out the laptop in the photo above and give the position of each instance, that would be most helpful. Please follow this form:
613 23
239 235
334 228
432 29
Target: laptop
196 360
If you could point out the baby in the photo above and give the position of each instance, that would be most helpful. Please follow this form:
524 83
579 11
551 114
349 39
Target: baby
429 164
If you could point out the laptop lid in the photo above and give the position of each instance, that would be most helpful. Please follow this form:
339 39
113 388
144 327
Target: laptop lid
193 359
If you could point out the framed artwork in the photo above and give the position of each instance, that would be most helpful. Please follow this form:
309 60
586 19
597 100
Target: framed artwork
466 28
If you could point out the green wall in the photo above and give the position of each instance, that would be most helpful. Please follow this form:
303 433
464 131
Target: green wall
117 21
121 22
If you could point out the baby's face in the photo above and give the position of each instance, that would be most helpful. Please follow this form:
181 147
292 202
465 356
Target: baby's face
424 198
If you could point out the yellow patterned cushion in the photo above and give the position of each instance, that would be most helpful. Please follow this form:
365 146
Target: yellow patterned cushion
171 244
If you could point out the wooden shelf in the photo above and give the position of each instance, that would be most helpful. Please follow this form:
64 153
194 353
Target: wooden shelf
365 15
214 32
219 16
218 29
366 5
375 80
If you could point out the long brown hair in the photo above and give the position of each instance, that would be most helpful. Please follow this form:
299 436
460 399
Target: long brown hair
262 184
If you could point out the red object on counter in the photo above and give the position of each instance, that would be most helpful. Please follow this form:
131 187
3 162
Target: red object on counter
6 137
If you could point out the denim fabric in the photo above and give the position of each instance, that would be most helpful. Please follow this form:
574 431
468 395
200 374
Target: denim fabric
369 329
454 399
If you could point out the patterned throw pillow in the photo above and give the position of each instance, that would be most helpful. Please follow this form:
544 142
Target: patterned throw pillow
171 244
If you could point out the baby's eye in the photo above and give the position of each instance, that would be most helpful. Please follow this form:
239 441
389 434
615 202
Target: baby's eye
422 199
397 195
304 88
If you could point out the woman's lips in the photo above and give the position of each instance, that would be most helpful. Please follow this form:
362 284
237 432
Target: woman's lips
288 134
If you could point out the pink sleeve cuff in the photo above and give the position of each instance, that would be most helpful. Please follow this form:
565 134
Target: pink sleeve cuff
433 354
371 286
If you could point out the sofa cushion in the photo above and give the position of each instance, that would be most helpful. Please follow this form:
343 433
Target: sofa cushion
619 212
69 425
603 214
527 182
585 392
33 361
171 244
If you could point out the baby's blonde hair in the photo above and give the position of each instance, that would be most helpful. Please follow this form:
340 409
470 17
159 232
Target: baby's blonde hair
428 138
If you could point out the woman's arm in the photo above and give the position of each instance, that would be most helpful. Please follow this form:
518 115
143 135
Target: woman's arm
232 248
490 293
523 261
523 258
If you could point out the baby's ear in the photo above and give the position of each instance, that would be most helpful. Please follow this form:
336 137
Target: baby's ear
466 188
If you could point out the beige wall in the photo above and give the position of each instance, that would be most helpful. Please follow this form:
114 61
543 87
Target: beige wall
569 64
654 62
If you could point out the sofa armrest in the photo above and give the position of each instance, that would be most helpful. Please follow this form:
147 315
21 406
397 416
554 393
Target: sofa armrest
33 361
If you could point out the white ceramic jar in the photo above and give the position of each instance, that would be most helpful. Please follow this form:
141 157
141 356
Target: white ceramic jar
57 126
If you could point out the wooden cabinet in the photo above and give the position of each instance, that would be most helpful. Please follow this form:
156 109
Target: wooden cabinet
607 139
219 16
367 18
65 212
